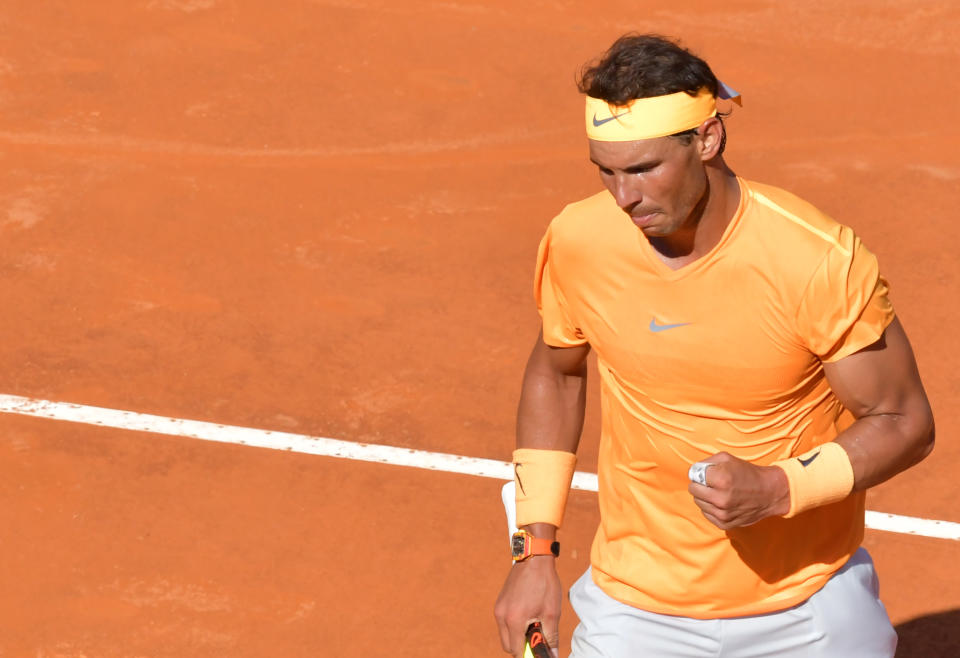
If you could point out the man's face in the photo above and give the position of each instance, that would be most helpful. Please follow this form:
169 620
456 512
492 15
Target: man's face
658 182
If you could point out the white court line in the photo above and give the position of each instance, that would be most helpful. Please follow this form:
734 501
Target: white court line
315 445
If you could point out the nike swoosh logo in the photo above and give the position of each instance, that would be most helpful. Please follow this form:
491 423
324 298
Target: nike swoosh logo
809 460
599 122
657 328
516 471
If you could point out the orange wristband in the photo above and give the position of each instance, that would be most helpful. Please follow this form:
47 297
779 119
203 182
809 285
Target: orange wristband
543 480
818 477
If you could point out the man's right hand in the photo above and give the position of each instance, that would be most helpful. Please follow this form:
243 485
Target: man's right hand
531 592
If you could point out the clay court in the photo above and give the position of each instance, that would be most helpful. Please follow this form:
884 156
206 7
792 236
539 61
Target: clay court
320 218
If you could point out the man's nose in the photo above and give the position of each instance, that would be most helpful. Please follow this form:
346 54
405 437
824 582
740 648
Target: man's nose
626 192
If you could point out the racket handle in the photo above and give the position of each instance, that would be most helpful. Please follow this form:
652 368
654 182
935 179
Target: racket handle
536 645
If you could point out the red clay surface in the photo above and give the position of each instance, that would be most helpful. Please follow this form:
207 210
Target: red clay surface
321 217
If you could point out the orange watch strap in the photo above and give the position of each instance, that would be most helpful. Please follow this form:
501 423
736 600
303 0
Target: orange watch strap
540 546
524 545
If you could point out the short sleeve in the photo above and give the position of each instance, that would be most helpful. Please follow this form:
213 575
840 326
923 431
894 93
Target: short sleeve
846 306
559 330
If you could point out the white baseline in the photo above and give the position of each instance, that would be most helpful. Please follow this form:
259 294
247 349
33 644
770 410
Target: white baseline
315 445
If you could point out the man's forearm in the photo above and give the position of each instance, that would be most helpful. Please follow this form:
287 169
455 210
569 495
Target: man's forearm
881 446
881 387
552 403
551 410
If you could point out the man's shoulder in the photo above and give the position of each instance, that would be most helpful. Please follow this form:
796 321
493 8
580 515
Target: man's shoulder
785 211
588 217
602 201
786 219
794 239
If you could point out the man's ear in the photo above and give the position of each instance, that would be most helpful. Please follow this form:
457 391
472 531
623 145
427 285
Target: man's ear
710 135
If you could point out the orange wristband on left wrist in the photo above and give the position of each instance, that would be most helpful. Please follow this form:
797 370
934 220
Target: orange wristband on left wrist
818 477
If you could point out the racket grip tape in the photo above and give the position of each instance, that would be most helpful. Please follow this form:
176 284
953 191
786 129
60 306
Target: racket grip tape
536 644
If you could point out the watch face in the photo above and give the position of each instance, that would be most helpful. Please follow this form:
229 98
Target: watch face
518 545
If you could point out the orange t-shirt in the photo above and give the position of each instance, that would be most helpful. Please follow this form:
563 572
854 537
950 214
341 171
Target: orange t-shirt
722 354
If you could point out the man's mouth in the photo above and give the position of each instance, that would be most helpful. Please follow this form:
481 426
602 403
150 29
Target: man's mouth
642 218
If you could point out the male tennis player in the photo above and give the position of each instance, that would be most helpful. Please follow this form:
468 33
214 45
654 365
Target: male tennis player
754 383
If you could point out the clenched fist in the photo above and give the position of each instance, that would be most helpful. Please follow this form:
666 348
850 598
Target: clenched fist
739 493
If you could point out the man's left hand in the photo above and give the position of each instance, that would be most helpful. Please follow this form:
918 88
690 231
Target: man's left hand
739 493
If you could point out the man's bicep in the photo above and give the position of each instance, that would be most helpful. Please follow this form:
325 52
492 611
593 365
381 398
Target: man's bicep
880 379
560 360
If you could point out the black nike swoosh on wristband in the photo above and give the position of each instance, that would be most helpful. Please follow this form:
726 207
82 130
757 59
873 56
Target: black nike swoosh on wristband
516 472
809 460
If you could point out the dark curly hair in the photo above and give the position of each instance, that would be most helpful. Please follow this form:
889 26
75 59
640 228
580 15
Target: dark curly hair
645 65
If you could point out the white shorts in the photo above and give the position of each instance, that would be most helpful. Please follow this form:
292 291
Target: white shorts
845 619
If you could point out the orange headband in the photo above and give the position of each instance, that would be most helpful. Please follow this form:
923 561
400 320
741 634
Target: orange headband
657 116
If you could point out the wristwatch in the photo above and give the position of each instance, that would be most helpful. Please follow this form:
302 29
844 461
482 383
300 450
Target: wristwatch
524 545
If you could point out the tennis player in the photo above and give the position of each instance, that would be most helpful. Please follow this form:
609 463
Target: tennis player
754 378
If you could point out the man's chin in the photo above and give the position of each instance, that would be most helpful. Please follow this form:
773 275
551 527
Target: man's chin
653 231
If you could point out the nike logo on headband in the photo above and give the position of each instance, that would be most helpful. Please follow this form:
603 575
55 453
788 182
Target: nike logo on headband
599 122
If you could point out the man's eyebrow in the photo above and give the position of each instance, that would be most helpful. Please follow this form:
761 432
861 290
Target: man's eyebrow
636 166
